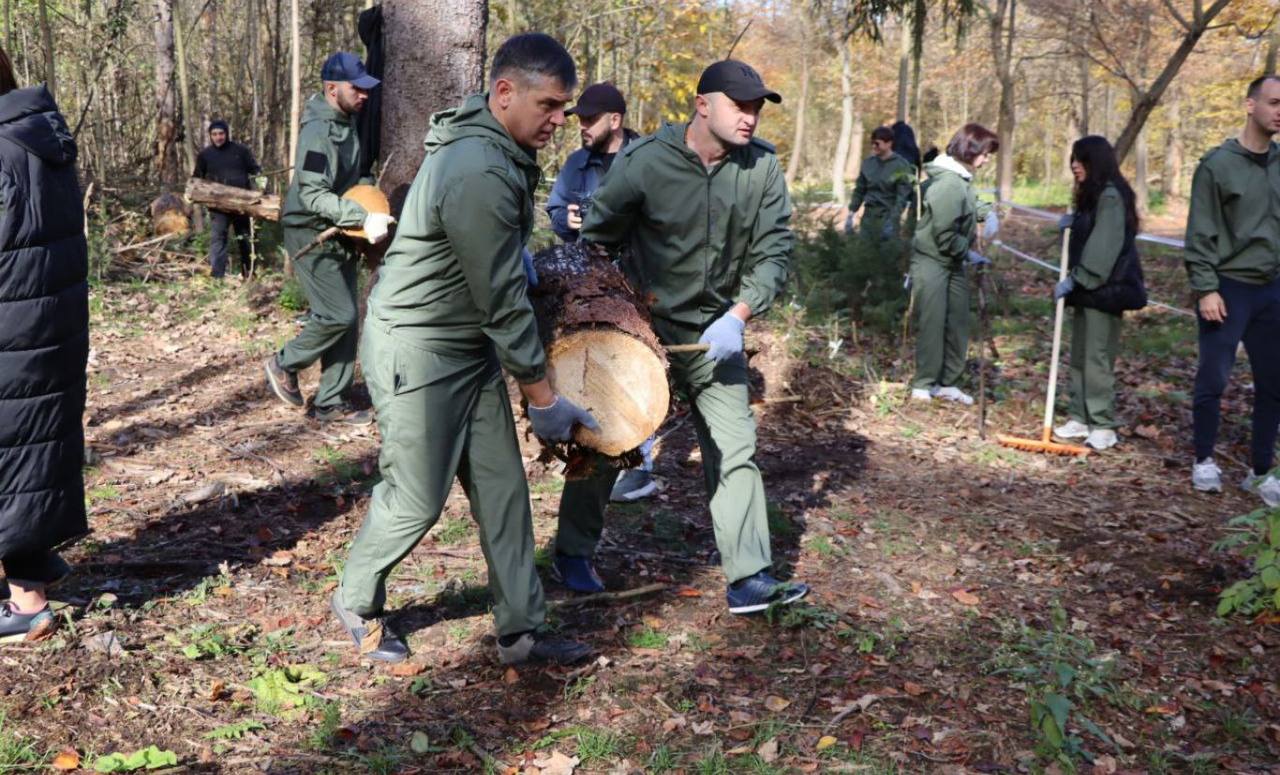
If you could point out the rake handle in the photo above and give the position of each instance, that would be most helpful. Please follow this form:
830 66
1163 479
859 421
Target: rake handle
1059 312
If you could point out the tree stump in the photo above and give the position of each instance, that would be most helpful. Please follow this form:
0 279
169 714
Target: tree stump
602 353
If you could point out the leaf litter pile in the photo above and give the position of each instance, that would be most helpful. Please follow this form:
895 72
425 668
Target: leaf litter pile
975 609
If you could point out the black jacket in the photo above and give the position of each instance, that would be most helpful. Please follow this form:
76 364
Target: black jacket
231 165
44 327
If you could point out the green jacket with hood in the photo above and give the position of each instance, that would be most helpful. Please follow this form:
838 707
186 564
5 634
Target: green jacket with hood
452 280
883 185
701 239
950 213
1233 226
326 165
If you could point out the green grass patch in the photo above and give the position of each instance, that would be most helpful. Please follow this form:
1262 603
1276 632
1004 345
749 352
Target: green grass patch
455 531
779 523
647 638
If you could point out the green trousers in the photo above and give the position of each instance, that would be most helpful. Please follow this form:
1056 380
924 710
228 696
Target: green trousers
442 416
328 278
1095 339
726 432
942 322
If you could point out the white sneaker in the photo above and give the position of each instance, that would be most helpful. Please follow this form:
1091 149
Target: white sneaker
1071 429
1266 487
920 394
1101 438
1206 476
954 394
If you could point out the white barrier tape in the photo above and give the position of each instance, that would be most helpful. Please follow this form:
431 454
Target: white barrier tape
1048 216
1039 262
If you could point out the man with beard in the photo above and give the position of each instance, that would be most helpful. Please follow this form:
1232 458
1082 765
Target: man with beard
326 165
600 110
703 207
231 164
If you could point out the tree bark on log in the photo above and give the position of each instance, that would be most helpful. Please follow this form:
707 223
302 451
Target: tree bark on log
229 199
602 353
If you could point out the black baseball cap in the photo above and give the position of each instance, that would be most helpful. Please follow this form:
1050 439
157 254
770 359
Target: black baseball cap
598 98
344 66
738 80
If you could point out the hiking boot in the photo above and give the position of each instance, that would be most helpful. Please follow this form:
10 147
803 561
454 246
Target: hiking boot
1101 438
372 636
576 573
756 593
24 626
633 485
951 393
1072 429
920 394
1266 487
537 647
343 412
1206 476
283 383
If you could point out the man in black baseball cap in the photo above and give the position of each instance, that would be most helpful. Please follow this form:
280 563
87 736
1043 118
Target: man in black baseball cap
601 111
737 80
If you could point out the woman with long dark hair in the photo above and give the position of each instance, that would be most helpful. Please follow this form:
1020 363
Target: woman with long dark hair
44 348
939 250
1105 279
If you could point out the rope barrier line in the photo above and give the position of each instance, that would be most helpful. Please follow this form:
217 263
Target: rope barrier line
1039 262
1048 216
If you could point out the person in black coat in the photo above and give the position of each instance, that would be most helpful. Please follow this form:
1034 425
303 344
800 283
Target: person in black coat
44 349
231 164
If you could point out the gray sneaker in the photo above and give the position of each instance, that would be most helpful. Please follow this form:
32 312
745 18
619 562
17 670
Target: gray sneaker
1266 487
633 484
283 383
1206 476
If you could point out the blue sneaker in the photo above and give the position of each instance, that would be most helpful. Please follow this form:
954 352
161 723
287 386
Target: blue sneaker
756 593
576 573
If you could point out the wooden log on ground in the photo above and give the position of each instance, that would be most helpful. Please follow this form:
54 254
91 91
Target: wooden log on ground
169 215
229 199
602 353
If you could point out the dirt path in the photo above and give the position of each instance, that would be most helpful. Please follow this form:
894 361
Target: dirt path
959 586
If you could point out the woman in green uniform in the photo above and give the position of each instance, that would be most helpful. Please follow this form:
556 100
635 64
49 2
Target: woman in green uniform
1105 279
943 238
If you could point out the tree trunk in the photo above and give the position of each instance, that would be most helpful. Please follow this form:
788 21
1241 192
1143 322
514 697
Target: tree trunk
797 139
295 86
1171 180
1273 44
211 62
904 63
1141 173
165 158
854 161
46 35
435 52
184 94
1003 31
230 199
846 123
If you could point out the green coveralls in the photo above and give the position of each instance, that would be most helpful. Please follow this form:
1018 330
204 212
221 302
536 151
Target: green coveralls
450 305
884 189
939 249
701 240
1095 335
326 165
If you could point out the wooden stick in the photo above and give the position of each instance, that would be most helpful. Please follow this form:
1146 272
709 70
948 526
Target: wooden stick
144 243
609 597
687 348
320 239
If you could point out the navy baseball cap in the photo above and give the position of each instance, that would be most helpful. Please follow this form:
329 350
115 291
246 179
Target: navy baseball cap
344 66
599 98
738 80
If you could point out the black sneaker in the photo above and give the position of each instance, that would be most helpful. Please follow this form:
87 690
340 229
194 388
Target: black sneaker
372 636
16 626
756 593
283 383
537 647
343 413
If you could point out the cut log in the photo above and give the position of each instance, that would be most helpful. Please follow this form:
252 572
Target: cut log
229 199
169 215
602 353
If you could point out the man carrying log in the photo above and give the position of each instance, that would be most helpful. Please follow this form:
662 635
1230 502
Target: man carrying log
231 164
326 165
449 312
704 209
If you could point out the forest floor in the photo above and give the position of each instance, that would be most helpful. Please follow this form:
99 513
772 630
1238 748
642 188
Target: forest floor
959 588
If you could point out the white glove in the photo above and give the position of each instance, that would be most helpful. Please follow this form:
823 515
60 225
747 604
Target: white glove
376 226
990 226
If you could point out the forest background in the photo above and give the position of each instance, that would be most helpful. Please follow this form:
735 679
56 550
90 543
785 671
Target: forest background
140 81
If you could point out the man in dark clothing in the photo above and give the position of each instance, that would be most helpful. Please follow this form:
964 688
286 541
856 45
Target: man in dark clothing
600 110
1233 260
230 164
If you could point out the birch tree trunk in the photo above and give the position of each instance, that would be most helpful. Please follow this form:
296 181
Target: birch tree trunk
435 56
838 193
797 139
904 63
1003 31
165 158
46 35
295 86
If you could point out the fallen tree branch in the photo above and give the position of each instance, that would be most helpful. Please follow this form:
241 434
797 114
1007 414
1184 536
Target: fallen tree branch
610 597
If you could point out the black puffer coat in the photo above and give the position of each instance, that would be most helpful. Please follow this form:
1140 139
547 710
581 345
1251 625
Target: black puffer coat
44 327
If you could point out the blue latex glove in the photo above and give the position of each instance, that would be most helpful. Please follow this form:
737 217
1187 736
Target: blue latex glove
529 272
990 226
977 259
556 422
1065 221
1063 288
848 224
724 336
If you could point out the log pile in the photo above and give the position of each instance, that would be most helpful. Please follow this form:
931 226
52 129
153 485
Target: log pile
229 199
602 353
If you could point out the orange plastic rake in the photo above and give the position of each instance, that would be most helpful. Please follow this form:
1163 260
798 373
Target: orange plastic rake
1044 443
